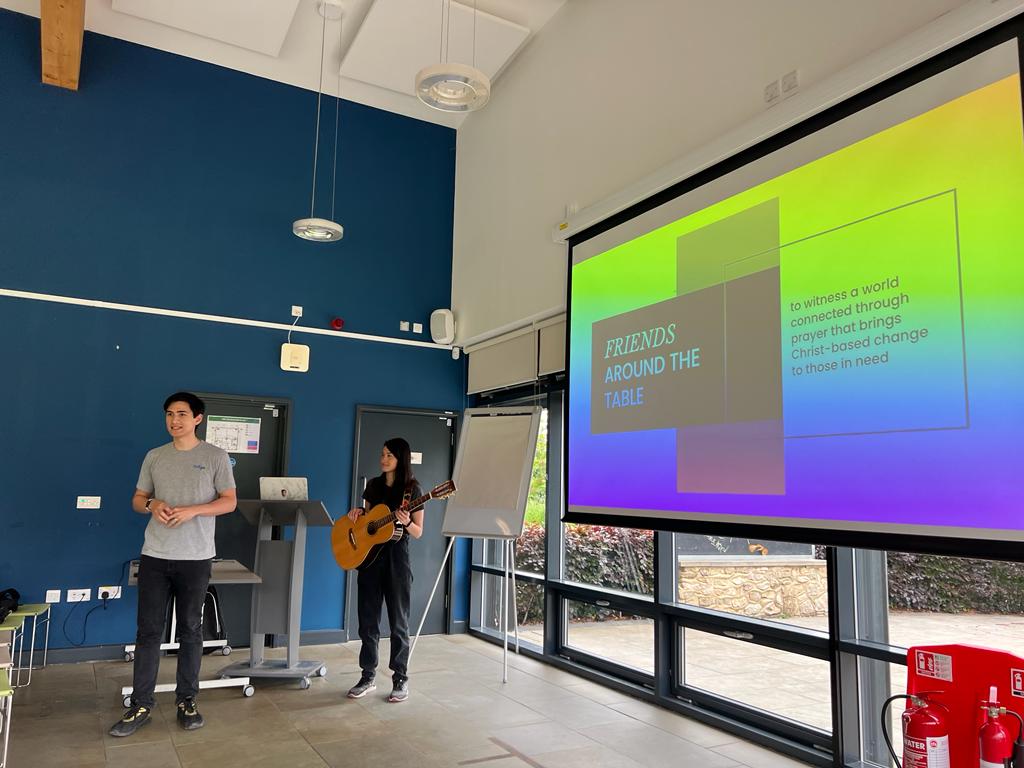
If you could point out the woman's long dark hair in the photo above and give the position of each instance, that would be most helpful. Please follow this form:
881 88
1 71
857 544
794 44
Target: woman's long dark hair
404 478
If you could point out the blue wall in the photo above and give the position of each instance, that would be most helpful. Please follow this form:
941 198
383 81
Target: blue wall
172 183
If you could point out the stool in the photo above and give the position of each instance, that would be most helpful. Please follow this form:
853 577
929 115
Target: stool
34 611
6 703
11 631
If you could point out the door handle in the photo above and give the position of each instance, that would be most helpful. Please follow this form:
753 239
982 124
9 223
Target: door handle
737 635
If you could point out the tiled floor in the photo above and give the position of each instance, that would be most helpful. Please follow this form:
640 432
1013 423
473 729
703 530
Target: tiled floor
460 714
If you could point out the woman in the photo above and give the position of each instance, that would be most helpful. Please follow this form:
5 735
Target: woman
388 577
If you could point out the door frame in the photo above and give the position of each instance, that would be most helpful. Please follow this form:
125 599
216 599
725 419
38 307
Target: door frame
352 632
284 444
284 440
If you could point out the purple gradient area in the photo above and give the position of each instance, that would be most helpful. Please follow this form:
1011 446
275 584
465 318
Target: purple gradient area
645 470
901 478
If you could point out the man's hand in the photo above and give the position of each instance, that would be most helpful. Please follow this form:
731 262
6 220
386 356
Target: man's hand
178 515
403 515
353 514
160 510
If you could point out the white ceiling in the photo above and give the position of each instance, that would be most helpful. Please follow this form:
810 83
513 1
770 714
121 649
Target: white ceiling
378 48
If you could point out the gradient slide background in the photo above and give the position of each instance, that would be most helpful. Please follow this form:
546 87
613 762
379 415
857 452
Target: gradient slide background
925 217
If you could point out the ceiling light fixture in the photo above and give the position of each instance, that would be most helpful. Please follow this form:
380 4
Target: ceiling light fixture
448 86
313 228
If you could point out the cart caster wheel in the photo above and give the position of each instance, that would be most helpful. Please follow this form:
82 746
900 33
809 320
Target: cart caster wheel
322 672
225 651
129 656
304 683
127 701
248 691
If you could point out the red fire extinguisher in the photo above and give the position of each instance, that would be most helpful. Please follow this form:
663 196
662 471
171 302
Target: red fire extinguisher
925 732
996 742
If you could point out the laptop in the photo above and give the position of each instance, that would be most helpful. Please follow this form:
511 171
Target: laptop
284 489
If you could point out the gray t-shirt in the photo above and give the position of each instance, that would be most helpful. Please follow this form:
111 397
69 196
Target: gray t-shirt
181 479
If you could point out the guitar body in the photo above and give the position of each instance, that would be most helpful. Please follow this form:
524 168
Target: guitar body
357 543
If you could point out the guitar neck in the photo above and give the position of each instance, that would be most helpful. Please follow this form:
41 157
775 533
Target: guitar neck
411 507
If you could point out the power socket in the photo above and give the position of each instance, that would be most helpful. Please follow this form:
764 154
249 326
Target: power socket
296 310
79 595
53 595
113 593
772 93
403 325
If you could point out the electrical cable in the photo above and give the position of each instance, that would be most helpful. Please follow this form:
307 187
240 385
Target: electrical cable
319 95
85 622
337 112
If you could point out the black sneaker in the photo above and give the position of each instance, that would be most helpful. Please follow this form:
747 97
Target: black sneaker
363 687
399 692
134 718
188 716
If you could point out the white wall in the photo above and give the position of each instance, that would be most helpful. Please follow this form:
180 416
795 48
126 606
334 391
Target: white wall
609 92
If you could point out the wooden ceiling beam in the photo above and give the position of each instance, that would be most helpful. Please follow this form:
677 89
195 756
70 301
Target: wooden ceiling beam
62 25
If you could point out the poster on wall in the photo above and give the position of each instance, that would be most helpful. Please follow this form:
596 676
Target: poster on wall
235 434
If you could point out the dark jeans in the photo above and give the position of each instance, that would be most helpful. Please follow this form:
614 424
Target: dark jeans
388 580
186 580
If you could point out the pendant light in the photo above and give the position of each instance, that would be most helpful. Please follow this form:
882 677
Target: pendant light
313 228
448 86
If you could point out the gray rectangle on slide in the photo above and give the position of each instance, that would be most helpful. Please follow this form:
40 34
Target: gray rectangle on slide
671 398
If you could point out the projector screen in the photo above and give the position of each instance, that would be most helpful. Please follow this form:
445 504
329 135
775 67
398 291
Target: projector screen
826 340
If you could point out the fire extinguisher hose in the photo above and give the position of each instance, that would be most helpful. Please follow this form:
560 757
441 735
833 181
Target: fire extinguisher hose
885 728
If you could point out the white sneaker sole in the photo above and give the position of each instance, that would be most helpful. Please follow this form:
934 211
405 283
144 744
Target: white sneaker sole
371 689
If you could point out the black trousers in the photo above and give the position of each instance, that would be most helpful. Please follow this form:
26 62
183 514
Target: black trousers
159 579
387 580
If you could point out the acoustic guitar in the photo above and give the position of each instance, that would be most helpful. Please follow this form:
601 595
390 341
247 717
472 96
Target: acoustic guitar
359 542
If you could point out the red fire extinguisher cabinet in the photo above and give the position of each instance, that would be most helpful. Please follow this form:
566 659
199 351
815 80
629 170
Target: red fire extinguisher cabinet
959 677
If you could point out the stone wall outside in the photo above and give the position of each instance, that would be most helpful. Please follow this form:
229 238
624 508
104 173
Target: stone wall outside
793 587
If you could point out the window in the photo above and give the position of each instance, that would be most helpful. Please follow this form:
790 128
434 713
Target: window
530 556
609 634
778 581
620 559
782 683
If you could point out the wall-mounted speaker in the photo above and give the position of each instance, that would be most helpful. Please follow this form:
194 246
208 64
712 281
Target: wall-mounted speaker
442 326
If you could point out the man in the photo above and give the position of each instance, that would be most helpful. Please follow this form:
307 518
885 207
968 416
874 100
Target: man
182 486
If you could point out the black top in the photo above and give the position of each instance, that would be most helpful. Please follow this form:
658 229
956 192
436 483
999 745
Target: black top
378 492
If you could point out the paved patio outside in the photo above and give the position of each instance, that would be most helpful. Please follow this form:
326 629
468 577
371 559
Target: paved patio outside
789 685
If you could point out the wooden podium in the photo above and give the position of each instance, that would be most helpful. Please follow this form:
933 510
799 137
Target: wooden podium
277 600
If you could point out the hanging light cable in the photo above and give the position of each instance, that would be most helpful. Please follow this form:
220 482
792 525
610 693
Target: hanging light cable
312 228
450 86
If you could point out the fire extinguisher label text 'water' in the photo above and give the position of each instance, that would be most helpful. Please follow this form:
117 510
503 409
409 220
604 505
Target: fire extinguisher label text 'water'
937 666
932 752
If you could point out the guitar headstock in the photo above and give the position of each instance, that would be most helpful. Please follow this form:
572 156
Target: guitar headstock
444 490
